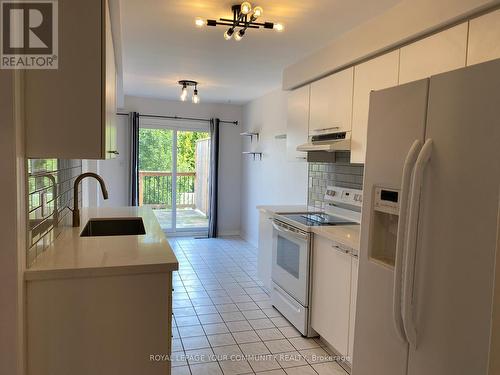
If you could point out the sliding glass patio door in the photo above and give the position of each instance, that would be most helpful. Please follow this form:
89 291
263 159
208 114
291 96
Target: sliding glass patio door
173 176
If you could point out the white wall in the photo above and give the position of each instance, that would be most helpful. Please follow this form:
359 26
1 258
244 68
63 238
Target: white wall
405 21
274 180
116 171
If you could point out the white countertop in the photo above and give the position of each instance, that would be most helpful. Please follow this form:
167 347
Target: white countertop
274 209
345 234
73 256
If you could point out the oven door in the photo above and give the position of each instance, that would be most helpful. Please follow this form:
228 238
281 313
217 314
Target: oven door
290 270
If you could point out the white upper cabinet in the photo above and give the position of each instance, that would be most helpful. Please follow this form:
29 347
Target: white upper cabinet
484 38
331 102
331 288
375 74
70 111
297 122
436 54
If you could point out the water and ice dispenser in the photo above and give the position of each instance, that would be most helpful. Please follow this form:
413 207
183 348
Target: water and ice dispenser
385 225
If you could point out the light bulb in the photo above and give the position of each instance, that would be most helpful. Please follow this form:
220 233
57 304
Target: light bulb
199 22
229 34
246 7
257 12
196 97
278 27
239 35
184 93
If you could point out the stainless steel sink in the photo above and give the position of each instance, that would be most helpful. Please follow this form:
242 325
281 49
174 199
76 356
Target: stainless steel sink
127 226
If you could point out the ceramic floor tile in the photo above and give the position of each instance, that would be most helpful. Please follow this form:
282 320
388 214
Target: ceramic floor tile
183 370
230 307
271 313
329 368
302 370
210 318
178 359
254 314
279 346
212 329
232 316
211 368
246 336
289 332
264 363
302 343
261 323
291 359
221 339
254 348
197 356
197 342
239 326
281 322
273 372
270 334
241 298
203 310
186 320
176 345
190 331
316 355
243 306
228 352
235 367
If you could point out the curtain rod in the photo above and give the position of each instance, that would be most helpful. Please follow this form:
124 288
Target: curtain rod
181 118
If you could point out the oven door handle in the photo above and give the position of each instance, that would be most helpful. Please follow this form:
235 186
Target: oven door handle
279 228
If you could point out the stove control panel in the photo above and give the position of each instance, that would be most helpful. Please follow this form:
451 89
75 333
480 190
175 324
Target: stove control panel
337 194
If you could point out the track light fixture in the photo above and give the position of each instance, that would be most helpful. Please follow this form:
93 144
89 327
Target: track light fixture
244 17
184 91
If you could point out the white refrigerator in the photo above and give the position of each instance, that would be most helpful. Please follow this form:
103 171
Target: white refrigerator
427 302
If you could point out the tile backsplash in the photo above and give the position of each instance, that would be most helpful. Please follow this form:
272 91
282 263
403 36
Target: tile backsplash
341 173
50 193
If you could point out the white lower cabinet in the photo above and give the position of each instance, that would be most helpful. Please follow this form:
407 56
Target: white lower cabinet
265 251
331 294
352 306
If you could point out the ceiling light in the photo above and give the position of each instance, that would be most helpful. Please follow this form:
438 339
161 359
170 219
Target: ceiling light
239 35
184 91
196 97
229 34
246 7
244 19
199 22
257 12
278 27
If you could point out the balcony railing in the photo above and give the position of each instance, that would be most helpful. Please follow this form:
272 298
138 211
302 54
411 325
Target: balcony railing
155 189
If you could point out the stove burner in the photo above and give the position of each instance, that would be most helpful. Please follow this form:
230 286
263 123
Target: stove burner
318 219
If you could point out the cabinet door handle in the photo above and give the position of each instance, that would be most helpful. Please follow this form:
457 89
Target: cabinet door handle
338 248
331 128
114 152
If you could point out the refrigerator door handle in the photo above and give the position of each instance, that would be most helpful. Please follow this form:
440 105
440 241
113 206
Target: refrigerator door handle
411 242
410 160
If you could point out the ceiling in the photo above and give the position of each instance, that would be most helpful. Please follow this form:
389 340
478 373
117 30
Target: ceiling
161 44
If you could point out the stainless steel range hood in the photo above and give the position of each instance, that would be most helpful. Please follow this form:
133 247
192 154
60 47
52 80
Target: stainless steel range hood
329 142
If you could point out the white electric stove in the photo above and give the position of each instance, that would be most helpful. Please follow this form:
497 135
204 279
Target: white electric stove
292 240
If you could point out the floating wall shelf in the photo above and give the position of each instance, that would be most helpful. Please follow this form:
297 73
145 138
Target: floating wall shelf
251 135
280 136
254 154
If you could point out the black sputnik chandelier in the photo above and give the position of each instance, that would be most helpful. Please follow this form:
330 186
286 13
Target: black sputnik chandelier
244 17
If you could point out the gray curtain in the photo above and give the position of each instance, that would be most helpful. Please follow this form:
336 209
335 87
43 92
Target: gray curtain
213 190
134 158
